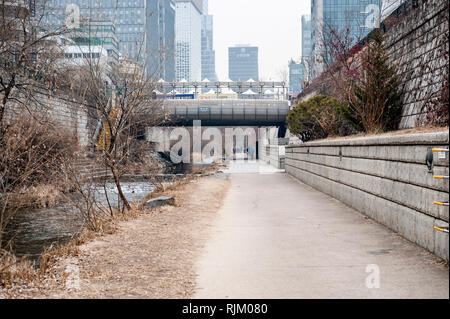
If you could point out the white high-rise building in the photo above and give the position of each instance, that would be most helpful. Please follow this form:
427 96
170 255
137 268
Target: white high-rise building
188 39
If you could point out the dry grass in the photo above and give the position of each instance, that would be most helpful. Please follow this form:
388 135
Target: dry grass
170 190
18 277
167 190
154 255
15 271
39 196
71 249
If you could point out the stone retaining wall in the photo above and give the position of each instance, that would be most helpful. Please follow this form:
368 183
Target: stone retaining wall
63 112
415 47
271 153
385 178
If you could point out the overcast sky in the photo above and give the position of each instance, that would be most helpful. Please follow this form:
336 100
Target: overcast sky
272 25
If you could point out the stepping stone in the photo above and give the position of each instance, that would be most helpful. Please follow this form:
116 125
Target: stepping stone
159 201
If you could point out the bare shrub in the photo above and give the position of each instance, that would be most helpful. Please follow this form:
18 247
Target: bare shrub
83 199
365 80
32 154
33 151
437 109
142 159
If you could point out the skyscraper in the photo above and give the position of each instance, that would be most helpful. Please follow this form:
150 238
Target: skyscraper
188 39
338 15
296 77
208 54
243 63
306 36
161 44
135 24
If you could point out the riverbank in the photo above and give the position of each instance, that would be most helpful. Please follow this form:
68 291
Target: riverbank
150 256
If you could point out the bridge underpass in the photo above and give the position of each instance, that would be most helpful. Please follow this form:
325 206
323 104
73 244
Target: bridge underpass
227 112
164 140
254 115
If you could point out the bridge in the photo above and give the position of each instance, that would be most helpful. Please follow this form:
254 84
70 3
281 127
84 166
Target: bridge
226 112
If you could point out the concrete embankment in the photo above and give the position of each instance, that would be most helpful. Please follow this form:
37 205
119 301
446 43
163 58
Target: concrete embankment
273 155
385 178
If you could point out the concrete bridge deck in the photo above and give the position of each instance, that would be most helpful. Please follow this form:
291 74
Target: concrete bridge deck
228 111
279 238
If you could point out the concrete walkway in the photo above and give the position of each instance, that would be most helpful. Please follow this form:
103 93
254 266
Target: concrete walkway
279 238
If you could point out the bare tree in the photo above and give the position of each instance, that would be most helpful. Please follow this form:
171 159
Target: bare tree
31 146
28 53
124 105
283 75
362 76
32 154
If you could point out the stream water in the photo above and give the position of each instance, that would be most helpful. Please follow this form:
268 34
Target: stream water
34 230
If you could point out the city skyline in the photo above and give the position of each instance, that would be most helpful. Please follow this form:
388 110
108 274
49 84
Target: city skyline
133 22
274 29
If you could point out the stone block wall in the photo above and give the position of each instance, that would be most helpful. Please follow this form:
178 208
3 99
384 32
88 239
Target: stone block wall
273 155
385 178
63 112
415 44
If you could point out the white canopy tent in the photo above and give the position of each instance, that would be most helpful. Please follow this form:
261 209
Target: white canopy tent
158 92
249 92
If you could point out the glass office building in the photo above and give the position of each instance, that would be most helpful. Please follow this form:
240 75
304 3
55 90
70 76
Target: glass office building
161 40
188 40
338 15
135 24
243 63
306 36
297 77
208 53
